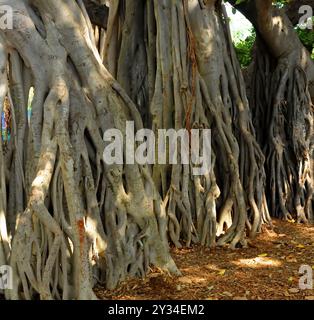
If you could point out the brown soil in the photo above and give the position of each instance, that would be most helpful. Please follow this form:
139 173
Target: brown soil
267 269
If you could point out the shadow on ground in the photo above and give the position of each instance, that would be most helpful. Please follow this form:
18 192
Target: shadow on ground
267 269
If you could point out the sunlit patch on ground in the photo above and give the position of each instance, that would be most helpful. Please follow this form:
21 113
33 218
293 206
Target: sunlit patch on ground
258 262
267 269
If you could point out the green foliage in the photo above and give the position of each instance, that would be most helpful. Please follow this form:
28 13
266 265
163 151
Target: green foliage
244 49
244 46
307 38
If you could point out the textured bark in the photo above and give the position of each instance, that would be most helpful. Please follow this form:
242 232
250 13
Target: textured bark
277 32
281 95
281 106
68 219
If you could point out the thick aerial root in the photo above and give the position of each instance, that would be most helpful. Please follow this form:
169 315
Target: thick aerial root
183 85
76 221
287 117
73 220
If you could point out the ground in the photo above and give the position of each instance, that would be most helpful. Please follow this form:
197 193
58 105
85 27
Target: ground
267 269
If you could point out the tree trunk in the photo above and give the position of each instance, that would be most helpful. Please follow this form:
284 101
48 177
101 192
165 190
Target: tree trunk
281 88
68 219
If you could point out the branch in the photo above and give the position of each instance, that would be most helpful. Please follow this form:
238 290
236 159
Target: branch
291 8
278 33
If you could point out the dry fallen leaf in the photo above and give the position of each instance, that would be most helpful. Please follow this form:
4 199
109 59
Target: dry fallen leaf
222 272
291 259
309 298
254 277
228 294
263 255
294 290
240 298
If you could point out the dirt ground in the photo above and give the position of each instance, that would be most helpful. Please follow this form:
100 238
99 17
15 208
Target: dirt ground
267 269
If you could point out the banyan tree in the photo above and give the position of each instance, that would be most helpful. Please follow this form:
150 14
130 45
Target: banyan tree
71 70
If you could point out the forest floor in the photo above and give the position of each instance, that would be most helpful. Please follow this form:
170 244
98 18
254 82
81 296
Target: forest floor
267 269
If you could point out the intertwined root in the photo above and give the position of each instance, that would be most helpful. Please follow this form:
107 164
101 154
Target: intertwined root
287 117
71 220
188 79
